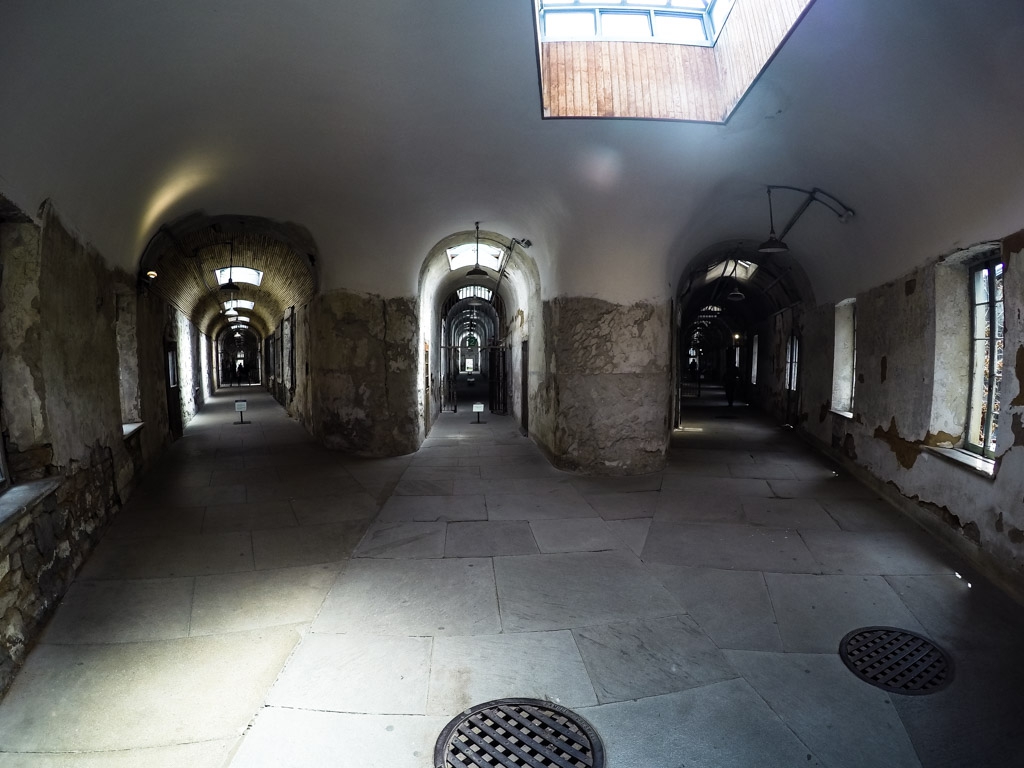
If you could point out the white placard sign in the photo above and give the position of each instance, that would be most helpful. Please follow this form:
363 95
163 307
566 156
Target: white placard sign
478 407
240 405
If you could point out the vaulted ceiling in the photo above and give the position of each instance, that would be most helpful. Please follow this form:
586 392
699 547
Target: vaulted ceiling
382 127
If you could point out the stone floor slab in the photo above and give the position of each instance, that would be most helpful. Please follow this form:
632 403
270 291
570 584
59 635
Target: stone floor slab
843 721
538 665
133 695
624 506
583 535
356 673
204 754
738 547
564 591
412 598
122 611
490 539
170 556
650 657
300 738
307 545
895 553
402 540
544 505
433 508
815 612
724 725
244 601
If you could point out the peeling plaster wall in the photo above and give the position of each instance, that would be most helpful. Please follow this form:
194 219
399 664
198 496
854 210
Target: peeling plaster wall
912 359
192 389
363 373
62 414
605 394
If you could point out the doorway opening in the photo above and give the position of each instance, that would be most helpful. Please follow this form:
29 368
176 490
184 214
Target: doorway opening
479 305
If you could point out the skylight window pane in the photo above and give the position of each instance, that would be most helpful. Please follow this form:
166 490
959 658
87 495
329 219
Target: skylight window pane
697 5
239 304
242 319
465 256
626 26
679 29
574 25
238 275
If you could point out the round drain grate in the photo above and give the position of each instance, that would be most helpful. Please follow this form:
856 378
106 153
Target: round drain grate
519 732
896 660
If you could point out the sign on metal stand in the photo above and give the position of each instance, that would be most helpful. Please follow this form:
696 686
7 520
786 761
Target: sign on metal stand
478 408
240 406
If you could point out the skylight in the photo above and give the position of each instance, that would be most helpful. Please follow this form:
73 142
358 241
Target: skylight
239 304
686 22
744 270
238 275
474 291
465 256
241 319
239 327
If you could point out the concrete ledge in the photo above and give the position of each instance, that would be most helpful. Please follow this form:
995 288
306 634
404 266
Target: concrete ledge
20 498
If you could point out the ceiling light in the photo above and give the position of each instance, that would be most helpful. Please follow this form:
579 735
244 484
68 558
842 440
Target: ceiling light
735 295
151 274
772 244
476 271
231 312
231 287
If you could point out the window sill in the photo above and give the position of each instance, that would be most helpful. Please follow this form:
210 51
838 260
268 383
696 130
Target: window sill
127 430
973 462
844 414
19 498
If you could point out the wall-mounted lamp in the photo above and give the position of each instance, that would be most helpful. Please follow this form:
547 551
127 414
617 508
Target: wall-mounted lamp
151 274
775 244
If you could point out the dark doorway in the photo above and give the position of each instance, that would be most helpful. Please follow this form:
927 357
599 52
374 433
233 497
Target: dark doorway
525 388
174 420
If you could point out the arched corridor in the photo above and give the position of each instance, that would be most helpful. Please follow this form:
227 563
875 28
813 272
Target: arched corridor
263 601
624 353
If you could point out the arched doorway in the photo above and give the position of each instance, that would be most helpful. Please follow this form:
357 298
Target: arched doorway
479 306
738 325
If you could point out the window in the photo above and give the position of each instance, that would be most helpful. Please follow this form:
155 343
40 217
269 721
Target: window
753 361
986 369
792 361
236 303
687 22
844 360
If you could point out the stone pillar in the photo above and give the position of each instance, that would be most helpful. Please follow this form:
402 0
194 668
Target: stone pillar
607 385
362 363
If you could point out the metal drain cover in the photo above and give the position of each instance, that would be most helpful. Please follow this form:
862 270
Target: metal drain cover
519 732
896 660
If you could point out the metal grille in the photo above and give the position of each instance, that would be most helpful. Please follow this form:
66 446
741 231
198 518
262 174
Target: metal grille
519 732
896 660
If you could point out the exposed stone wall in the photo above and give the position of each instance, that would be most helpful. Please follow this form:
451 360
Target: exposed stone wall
363 368
911 374
604 402
62 414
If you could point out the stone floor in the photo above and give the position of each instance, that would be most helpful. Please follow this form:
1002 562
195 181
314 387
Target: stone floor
263 602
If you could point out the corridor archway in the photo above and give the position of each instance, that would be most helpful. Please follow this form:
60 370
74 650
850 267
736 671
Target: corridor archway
739 323
480 312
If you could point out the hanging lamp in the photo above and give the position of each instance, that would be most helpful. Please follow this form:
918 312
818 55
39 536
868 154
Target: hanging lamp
476 271
772 244
230 286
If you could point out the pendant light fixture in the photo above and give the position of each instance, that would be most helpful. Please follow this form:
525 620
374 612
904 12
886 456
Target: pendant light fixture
772 244
230 286
476 271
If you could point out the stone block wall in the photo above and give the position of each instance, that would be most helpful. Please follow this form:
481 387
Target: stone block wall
605 392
